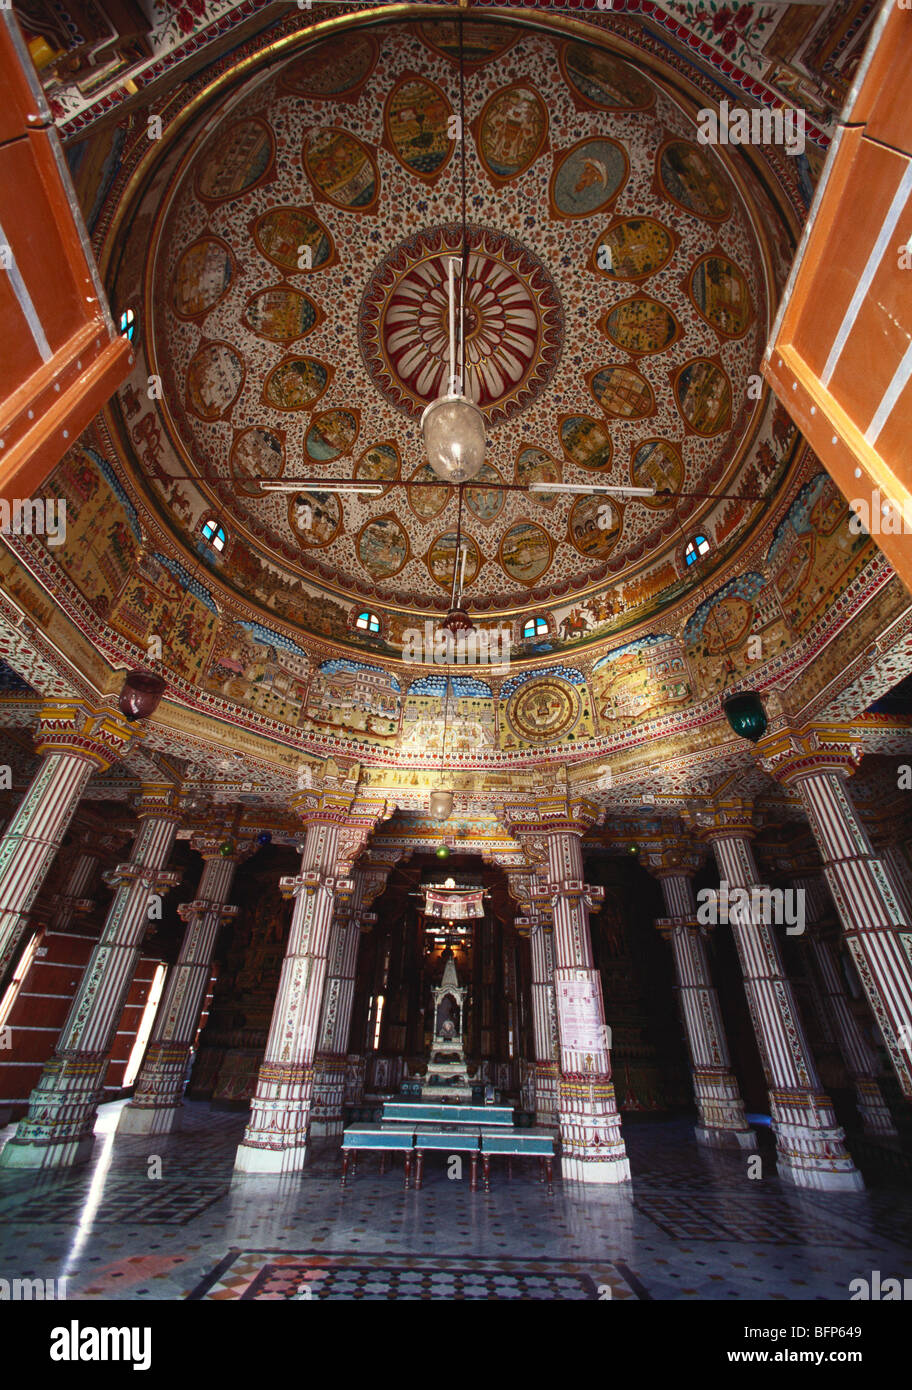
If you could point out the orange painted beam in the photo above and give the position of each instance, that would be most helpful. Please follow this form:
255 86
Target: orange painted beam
840 356
61 356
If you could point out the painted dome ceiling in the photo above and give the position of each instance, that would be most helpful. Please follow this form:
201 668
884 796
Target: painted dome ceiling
296 291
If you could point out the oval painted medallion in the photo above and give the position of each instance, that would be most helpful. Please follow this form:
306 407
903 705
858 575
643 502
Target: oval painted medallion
512 131
484 498
382 547
586 441
238 158
641 325
594 526
657 463
315 517
525 552
634 248
704 396
202 278
588 176
333 67
689 178
622 392
331 434
256 453
427 502
535 465
281 314
379 463
719 291
283 235
416 116
442 556
603 80
341 168
296 384
215 375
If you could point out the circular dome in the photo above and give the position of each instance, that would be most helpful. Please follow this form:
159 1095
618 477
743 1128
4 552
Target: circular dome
616 308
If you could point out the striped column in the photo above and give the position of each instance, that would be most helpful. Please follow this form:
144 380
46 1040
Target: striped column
877 932
810 1146
592 1149
544 1024
73 743
530 892
720 1107
335 1021
158 1094
275 1140
858 1054
58 1130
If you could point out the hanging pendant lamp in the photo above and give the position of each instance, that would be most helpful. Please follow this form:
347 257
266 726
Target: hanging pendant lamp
745 713
140 695
453 426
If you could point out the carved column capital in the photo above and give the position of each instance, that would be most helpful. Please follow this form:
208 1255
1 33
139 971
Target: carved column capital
101 736
788 755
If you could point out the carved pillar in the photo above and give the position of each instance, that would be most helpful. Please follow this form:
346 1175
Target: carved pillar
158 1094
810 1145
592 1149
58 1129
335 1019
720 1107
275 1140
73 743
535 923
877 933
858 1054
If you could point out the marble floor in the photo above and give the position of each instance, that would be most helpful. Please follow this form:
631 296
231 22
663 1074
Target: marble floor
166 1218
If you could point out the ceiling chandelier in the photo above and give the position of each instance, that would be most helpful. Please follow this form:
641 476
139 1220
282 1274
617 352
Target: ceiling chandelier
453 426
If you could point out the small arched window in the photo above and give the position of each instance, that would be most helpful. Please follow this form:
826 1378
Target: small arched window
128 324
695 549
535 627
214 534
367 621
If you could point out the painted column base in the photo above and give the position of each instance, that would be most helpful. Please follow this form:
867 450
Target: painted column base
592 1148
717 1138
69 1153
328 1093
252 1159
810 1146
149 1119
58 1130
818 1177
875 1115
590 1169
547 1083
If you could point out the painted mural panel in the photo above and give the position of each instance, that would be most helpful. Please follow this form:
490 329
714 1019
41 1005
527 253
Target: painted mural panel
351 695
512 131
463 704
637 247
587 177
642 680
603 80
540 708
261 669
743 620
162 601
814 555
103 536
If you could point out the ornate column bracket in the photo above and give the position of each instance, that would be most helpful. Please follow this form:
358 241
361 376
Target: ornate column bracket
153 880
201 907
